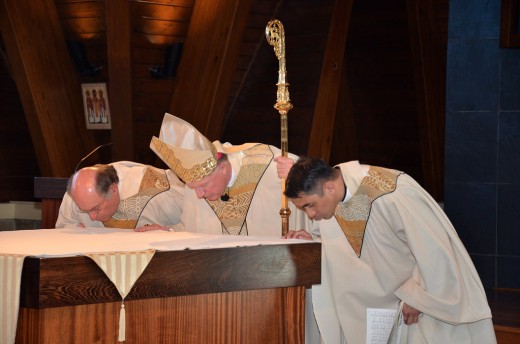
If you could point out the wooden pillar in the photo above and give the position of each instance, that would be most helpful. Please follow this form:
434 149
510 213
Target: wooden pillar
330 82
429 74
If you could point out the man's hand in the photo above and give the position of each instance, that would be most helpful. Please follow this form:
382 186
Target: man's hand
410 314
152 227
283 165
301 234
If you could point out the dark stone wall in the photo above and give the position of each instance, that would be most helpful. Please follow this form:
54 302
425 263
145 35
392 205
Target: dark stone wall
482 166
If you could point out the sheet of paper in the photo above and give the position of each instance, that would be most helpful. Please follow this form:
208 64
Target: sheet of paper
379 325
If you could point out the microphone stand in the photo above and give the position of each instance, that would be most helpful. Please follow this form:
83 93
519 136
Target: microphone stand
89 154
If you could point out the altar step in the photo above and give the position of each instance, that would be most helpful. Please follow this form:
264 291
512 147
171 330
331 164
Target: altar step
505 308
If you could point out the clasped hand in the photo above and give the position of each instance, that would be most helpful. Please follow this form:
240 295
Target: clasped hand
283 165
410 314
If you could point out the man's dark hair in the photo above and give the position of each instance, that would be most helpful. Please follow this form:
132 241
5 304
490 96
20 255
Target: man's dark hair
106 176
307 175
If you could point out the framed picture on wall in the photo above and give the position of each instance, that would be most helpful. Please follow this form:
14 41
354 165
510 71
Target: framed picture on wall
95 103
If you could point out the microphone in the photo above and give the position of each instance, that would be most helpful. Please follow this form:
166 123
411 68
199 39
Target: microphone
225 197
89 154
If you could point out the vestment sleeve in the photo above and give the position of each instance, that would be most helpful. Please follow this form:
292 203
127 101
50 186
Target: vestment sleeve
165 208
68 216
444 283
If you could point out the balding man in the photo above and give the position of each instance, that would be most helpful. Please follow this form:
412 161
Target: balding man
123 194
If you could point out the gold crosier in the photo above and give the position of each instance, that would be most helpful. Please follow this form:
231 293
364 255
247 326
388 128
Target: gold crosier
275 35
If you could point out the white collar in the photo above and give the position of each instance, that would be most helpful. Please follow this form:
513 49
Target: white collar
348 195
233 177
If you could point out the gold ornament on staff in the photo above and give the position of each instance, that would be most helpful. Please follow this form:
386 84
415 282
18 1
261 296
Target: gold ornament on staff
275 35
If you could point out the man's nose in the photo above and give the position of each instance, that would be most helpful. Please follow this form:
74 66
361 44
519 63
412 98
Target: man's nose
310 213
92 215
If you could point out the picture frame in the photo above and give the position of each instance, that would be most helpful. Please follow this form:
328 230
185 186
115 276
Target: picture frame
96 107
510 24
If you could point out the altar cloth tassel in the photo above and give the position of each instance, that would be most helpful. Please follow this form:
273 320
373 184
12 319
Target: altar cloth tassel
122 323
123 269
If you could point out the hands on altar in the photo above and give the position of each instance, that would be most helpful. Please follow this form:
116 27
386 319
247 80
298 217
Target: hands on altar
283 165
410 314
301 234
152 227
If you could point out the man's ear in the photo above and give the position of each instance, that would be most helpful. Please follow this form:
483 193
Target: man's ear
224 167
329 186
113 188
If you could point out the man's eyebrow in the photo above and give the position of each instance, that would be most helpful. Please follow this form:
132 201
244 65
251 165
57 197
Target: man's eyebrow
90 210
304 205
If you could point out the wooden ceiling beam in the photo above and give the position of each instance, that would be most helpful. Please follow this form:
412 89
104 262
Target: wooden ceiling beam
208 62
344 145
47 82
120 78
326 107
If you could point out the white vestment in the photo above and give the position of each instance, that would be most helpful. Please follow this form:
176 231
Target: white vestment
263 213
410 252
163 208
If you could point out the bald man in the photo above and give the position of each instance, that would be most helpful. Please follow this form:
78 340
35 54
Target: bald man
123 194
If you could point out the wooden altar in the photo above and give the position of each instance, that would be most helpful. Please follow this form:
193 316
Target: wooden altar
248 295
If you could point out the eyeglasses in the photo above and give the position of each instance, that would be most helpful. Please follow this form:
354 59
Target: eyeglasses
96 209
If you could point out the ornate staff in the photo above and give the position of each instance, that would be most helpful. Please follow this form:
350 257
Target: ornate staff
275 35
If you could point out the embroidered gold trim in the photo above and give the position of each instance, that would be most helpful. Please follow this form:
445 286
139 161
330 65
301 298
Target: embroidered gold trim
130 209
233 213
196 172
353 215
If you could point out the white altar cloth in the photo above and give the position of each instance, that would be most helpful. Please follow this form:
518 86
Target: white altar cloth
63 242
66 242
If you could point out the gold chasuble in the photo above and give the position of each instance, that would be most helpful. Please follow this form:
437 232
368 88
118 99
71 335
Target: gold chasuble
130 209
233 212
352 215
